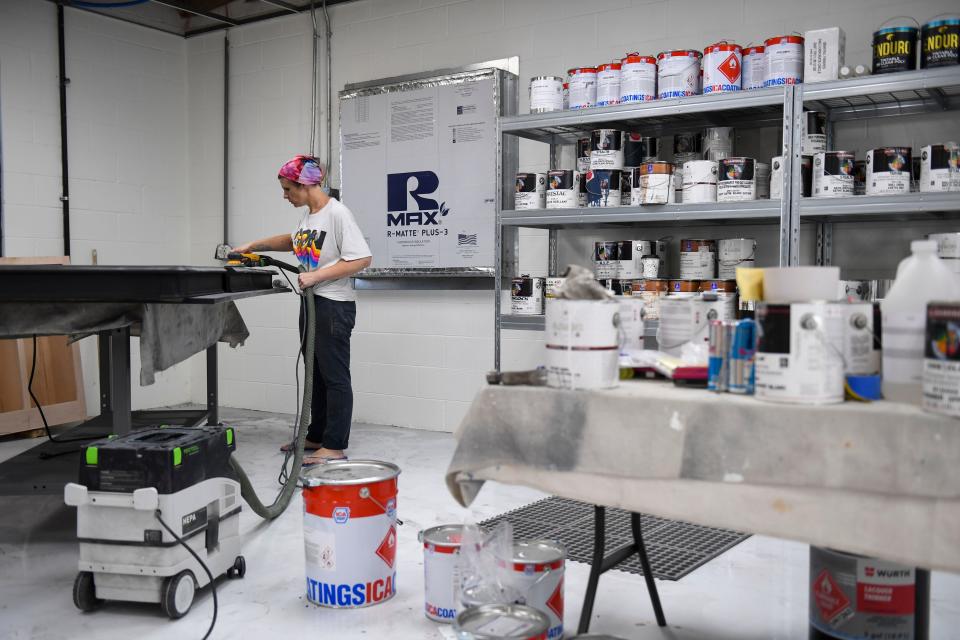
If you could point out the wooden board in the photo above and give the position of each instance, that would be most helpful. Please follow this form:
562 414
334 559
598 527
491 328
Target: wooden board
57 380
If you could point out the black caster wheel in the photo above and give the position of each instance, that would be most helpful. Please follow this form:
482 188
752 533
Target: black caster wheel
177 596
239 568
85 593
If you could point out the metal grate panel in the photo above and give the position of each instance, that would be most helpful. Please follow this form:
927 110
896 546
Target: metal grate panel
675 548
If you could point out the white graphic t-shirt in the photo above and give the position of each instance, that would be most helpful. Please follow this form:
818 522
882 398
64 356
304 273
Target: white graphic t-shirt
322 239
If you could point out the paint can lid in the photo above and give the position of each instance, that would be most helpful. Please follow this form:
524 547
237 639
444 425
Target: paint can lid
502 622
583 70
634 58
541 78
609 66
898 29
946 22
349 472
538 552
680 53
722 46
445 535
783 40
754 49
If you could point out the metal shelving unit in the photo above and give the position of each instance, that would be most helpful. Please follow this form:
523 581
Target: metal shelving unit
756 211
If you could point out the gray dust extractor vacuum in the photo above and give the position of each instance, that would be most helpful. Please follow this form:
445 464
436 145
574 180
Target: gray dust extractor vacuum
133 491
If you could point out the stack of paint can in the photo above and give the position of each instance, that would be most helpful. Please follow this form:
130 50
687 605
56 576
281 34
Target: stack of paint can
833 174
783 60
531 191
722 66
638 78
678 73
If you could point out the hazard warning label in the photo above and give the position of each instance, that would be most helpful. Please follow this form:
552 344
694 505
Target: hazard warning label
388 548
730 68
830 600
555 601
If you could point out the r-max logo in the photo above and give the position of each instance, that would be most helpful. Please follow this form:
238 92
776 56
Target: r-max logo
415 184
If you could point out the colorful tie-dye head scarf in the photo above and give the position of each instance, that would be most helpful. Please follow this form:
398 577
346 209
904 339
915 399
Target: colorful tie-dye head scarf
304 170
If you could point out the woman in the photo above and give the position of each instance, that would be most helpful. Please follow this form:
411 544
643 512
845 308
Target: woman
331 249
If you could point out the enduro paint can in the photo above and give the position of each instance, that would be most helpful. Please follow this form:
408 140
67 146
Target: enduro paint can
583 155
895 49
754 67
678 74
638 149
605 256
531 191
763 180
650 291
583 88
734 253
941 363
606 149
940 43
526 296
442 571
940 167
722 67
736 180
833 174
814 131
776 177
698 259
784 61
501 622
717 143
350 532
888 171
546 94
638 78
603 188
563 189
652 183
608 84
699 181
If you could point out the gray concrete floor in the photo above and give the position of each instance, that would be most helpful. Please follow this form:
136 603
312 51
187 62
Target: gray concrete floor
758 590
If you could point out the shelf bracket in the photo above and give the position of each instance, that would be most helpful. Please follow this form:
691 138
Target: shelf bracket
824 244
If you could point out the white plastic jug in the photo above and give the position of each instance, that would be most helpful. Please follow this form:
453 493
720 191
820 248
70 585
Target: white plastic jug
921 277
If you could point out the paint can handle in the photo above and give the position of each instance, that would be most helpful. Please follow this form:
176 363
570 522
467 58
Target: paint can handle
365 493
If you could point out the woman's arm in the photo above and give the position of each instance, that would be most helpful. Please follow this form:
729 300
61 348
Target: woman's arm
282 242
340 269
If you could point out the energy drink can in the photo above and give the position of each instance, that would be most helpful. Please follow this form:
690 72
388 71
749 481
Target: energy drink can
743 353
717 369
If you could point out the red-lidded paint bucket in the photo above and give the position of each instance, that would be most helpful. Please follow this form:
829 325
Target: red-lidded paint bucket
350 532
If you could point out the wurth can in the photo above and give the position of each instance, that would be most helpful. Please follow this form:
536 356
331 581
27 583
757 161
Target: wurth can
441 571
754 68
678 73
784 61
537 570
888 171
583 88
608 84
638 78
722 67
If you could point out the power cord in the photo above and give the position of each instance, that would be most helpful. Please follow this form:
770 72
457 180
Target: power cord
284 474
213 584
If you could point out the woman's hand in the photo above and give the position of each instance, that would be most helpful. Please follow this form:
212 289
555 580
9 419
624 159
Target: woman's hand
244 248
308 279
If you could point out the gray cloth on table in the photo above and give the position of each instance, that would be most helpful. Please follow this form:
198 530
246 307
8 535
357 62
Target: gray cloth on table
169 333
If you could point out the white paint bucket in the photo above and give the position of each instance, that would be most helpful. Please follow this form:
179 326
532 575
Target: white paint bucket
583 88
582 344
814 139
725 291
799 352
501 622
763 180
526 296
650 290
563 189
608 84
754 67
717 143
698 259
530 191
678 74
638 78
940 167
546 94
776 177
699 181
888 171
631 324
733 253
552 287
861 356
833 174
682 320
536 570
784 61
603 188
350 532
441 571
736 180
652 183
606 149
722 68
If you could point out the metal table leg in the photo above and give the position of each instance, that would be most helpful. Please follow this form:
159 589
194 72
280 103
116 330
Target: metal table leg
114 352
213 415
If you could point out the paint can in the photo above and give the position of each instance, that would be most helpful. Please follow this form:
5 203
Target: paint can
546 94
606 149
582 344
683 319
833 174
652 183
698 259
638 78
722 66
683 288
784 61
566 96
441 571
717 143
350 532
563 189
799 352
638 149
940 43
526 296
948 249
603 188
853 596
736 180
855 290
726 294
582 197
860 177
531 191
888 171
895 49
776 177
616 286
631 323
763 180
605 256
583 88
814 131
734 253
678 73
626 191
940 167
583 155
699 181
861 353
941 363
608 84
501 622
631 253
806 175
552 287
688 144
650 290
754 67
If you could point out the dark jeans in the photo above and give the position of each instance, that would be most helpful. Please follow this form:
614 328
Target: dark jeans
332 408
